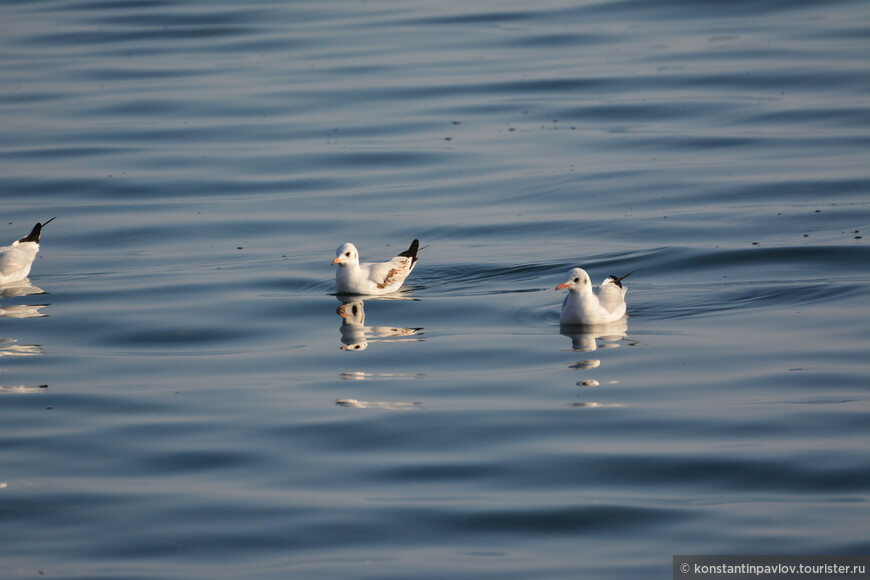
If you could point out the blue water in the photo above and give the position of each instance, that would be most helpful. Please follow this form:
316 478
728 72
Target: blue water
175 401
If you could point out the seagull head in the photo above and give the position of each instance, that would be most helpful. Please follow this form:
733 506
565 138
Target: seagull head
578 281
346 254
356 346
352 313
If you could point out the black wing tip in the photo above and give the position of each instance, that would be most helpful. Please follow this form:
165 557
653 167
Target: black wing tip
34 234
412 250
618 279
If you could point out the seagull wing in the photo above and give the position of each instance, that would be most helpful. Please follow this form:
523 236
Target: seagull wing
611 296
388 274
15 261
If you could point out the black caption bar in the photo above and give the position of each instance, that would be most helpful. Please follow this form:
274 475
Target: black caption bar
843 567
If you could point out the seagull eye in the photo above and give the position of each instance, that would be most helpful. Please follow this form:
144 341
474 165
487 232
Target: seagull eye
347 254
576 279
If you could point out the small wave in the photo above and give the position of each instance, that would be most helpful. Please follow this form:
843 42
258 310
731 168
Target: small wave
592 519
772 259
298 285
485 279
538 316
713 299
474 279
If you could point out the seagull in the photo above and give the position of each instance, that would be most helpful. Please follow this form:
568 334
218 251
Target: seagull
583 306
372 279
16 259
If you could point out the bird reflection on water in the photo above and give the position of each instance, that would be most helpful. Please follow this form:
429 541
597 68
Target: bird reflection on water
355 335
588 338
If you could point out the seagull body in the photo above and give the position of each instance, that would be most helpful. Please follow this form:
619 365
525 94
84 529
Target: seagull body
17 258
372 278
583 306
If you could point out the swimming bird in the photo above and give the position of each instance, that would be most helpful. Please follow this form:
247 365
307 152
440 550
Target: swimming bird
583 306
17 258
372 278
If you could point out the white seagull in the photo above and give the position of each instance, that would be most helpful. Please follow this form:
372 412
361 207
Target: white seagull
372 279
17 258
583 306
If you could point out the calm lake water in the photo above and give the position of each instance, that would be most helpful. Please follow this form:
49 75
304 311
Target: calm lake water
175 401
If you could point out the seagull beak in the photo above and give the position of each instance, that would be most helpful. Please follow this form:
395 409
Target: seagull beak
336 261
342 311
562 286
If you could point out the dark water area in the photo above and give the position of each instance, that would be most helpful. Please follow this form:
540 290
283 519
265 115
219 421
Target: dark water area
180 399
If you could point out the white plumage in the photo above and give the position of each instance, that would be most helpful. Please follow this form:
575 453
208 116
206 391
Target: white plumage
583 306
17 258
372 278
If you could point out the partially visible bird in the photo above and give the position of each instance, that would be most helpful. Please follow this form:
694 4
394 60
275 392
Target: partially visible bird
17 258
372 278
583 306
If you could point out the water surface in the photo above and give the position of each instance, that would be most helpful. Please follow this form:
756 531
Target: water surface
175 398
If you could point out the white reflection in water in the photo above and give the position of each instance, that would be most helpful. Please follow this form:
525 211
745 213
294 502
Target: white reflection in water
590 338
22 311
21 288
586 364
361 376
8 347
591 405
23 389
394 405
355 335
